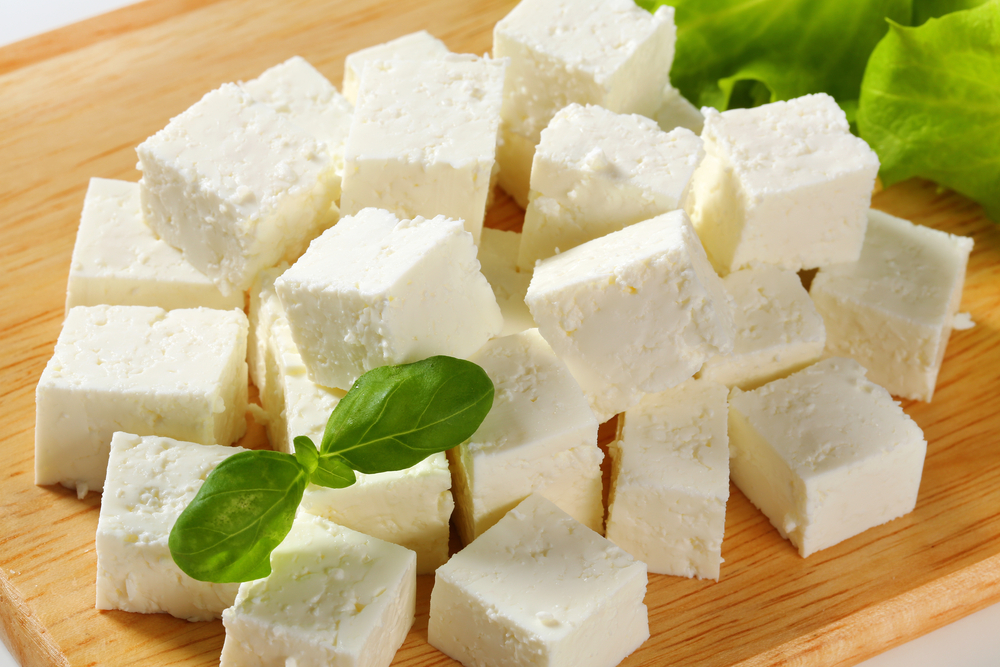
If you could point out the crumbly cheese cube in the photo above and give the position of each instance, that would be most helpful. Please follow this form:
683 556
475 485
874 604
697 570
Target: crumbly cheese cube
785 183
539 588
296 89
606 52
150 482
675 111
409 507
539 437
596 172
825 454
670 480
376 290
426 149
180 374
636 311
420 45
279 365
262 313
236 186
893 310
118 260
334 597
498 260
778 330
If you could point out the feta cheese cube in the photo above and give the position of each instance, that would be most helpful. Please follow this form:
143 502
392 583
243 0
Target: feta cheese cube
420 45
180 374
376 290
539 588
636 311
150 482
262 314
409 507
611 53
334 597
596 172
825 454
539 437
893 310
670 480
675 111
118 260
309 100
778 330
785 183
236 186
498 261
285 376
427 149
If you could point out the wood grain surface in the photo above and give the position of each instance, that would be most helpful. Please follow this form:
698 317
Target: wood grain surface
75 103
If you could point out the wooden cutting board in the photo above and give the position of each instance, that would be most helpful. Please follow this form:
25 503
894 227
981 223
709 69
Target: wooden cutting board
75 103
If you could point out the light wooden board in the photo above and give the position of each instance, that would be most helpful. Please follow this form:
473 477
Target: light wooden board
74 103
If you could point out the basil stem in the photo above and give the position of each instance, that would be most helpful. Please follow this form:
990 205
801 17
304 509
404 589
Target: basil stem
391 419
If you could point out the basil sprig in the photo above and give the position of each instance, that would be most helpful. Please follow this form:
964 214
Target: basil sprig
391 419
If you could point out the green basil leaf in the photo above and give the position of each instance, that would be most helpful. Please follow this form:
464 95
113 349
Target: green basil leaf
243 510
396 416
930 103
306 453
333 472
784 48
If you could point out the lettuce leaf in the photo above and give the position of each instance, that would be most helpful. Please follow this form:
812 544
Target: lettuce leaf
746 52
930 103
933 9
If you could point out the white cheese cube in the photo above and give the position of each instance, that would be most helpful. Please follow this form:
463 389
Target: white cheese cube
778 330
296 89
409 507
611 53
376 290
180 374
334 597
262 314
427 149
236 186
596 172
118 260
420 45
539 437
498 260
785 183
893 310
539 588
283 373
670 480
636 311
150 482
675 111
825 454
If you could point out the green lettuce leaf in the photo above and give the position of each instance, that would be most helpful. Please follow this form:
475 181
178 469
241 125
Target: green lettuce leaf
930 103
745 52
933 9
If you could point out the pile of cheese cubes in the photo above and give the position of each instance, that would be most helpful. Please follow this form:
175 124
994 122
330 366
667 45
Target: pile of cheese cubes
654 279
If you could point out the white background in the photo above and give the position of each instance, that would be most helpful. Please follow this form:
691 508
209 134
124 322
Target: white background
971 642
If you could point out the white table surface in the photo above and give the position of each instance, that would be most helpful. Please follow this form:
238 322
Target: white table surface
973 641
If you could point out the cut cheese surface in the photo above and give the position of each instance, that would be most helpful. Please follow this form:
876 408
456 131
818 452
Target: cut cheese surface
893 310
